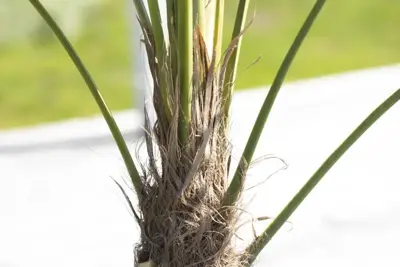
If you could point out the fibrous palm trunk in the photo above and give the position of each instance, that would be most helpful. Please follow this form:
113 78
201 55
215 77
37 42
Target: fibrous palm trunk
184 222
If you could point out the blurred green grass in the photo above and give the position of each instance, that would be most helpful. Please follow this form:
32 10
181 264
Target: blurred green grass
39 84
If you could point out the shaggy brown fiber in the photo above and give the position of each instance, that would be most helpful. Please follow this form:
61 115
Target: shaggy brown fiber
181 218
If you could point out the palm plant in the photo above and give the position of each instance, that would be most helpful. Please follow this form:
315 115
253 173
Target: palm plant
187 211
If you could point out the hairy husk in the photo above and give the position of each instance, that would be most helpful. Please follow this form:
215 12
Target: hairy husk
182 220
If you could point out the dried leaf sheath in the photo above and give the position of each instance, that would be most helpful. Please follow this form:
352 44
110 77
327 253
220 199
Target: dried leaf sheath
182 220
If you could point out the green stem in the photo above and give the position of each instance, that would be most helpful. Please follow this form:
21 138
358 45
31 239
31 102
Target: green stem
172 32
161 53
260 242
218 29
143 16
157 29
134 174
236 184
199 14
185 64
232 66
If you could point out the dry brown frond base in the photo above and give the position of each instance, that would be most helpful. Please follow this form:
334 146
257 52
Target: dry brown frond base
182 220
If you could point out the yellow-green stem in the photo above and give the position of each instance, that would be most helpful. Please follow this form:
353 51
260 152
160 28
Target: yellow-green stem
260 242
231 69
199 14
142 15
237 181
134 174
185 64
161 54
218 29
172 31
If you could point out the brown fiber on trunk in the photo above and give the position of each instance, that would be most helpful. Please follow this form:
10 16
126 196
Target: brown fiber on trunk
181 218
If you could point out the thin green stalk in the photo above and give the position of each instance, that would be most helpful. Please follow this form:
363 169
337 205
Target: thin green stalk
172 17
218 28
260 242
207 26
237 180
156 23
161 53
199 14
142 15
231 69
172 31
134 174
185 65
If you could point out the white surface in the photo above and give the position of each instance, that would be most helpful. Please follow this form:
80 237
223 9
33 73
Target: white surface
59 207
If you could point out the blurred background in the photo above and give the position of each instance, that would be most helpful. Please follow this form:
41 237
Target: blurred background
38 83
